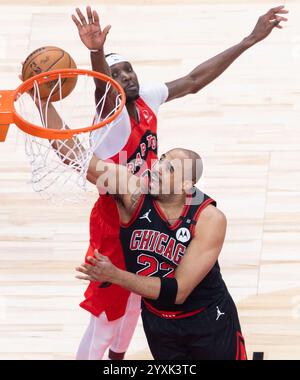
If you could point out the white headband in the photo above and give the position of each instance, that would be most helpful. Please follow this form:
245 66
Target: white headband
113 59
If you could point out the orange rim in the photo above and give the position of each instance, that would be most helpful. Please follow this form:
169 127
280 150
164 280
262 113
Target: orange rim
58 134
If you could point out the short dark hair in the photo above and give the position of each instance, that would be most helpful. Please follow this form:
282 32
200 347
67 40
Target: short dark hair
196 163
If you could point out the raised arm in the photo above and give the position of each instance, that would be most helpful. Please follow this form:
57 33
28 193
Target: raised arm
208 71
93 37
118 181
199 259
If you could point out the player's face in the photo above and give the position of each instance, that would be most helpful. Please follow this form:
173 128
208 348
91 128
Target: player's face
163 176
124 74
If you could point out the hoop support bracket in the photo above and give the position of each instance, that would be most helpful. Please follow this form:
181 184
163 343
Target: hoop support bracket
6 114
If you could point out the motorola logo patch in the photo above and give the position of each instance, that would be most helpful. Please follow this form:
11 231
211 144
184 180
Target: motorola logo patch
183 235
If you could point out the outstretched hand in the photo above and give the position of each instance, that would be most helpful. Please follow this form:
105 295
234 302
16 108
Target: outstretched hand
89 29
268 22
100 269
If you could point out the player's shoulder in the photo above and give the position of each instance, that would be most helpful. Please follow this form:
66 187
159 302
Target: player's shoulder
212 217
213 213
147 88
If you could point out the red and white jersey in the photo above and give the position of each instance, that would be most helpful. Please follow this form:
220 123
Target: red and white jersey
154 95
140 150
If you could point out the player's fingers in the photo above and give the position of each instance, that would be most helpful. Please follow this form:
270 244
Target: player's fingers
89 14
94 263
280 18
98 254
92 276
76 22
283 12
96 18
274 23
86 278
272 15
276 9
277 21
92 260
81 17
87 266
82 270
100 257
106 30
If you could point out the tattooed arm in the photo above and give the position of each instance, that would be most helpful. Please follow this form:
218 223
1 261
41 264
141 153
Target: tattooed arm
119 182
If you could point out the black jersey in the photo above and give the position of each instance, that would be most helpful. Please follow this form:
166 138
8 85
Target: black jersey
153 247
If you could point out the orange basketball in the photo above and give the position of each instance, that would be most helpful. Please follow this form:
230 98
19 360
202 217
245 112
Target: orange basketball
49 58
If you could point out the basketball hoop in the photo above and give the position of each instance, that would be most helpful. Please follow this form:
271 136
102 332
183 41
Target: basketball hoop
60 151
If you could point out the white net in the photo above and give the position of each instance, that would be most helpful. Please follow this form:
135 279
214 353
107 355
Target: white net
60 167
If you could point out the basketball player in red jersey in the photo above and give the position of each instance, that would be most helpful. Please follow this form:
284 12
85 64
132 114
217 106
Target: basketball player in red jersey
134 132
172 238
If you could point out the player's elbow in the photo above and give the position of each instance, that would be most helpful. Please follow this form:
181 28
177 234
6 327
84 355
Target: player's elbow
191 84
180 301
197 83
182 296
195 88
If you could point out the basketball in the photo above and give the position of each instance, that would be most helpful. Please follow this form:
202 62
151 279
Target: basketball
49 58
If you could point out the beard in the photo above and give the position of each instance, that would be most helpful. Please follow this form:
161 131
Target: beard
132 97
133 93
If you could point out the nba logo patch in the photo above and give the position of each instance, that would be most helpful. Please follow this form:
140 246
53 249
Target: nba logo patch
183 235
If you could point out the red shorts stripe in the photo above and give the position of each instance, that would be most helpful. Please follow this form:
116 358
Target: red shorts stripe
171 314
240 347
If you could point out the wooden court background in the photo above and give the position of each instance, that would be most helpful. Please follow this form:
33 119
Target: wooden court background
246 127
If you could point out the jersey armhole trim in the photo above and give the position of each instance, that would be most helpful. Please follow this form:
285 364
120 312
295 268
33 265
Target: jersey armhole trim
206 203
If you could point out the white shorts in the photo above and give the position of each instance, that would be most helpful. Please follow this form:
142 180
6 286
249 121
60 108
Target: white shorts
116 335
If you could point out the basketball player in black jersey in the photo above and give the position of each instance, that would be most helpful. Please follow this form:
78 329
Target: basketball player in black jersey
172 238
